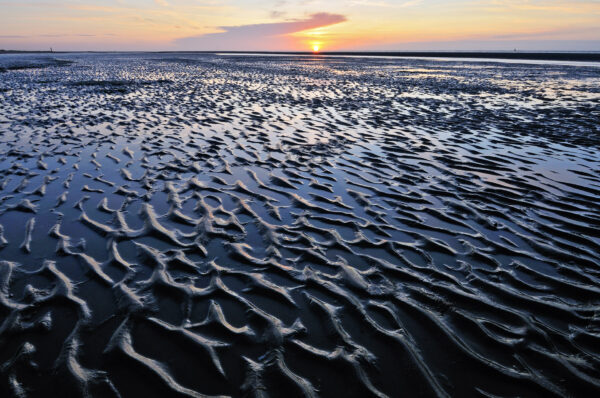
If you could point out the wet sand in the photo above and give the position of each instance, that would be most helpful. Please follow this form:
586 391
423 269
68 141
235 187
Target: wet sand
228 225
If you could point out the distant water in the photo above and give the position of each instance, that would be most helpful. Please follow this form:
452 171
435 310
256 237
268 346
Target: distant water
191 225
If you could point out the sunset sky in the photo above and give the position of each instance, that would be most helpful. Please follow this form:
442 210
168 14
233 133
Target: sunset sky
300 25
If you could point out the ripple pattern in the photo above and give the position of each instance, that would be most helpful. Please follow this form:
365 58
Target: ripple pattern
205 225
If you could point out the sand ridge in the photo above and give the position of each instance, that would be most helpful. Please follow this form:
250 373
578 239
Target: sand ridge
204 225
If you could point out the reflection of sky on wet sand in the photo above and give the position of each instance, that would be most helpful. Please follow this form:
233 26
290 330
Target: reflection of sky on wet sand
249 216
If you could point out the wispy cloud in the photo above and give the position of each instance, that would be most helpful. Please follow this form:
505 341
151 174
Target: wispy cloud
561 6
50 35
265 36
551 34
277 14
387 4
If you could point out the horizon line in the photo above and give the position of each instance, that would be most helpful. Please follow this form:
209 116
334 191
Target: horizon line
556 55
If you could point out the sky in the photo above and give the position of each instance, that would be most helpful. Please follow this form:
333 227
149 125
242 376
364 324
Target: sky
300 25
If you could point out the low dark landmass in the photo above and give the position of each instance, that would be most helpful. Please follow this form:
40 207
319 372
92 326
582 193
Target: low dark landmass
540 56
517 55
25 52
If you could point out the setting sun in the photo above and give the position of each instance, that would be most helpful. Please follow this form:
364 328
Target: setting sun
316 48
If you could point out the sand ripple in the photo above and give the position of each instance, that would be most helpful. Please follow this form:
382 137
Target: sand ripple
197 225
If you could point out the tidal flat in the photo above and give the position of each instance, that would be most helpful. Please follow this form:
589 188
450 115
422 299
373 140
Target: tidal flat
244 225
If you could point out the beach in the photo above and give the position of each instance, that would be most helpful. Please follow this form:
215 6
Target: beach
248 225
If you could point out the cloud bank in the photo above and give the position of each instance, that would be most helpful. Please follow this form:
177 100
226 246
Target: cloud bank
265 36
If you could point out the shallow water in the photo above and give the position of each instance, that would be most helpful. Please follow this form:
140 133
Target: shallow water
190 225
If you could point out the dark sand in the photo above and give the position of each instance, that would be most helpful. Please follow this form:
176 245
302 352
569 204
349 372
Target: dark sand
191 225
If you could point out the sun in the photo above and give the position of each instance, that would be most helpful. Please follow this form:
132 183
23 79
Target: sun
316 48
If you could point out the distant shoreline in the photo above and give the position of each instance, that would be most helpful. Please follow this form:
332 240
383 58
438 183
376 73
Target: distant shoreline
540 56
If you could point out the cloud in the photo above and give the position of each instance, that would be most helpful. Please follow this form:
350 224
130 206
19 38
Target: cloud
47 35
266 36
372 3
556 34
277 14
487 45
